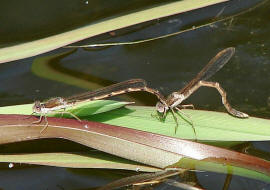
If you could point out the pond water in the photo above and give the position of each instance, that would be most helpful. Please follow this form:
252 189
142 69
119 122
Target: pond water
166 64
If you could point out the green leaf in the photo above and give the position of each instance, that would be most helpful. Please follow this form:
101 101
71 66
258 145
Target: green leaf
203 165
94 159
207 124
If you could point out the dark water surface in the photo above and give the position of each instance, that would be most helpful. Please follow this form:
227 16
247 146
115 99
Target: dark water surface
166 64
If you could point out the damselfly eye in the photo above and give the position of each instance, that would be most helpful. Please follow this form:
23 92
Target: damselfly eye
37 107
160 107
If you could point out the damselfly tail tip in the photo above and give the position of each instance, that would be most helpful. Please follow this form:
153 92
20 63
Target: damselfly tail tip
129 103
239 114
231 49
243 115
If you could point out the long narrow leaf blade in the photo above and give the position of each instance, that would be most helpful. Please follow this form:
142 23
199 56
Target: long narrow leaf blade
147 148
206 123
53 42
94 159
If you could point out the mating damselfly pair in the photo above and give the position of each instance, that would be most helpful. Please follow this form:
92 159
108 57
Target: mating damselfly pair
171 103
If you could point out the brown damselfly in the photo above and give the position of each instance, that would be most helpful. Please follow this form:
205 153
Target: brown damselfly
175 99
59 104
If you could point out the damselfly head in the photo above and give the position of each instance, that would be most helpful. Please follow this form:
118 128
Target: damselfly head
37 107
161 108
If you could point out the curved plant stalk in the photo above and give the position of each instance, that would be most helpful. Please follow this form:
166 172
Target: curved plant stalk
42 68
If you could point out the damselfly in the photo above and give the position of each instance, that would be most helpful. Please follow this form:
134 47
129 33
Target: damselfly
174 100
59 104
